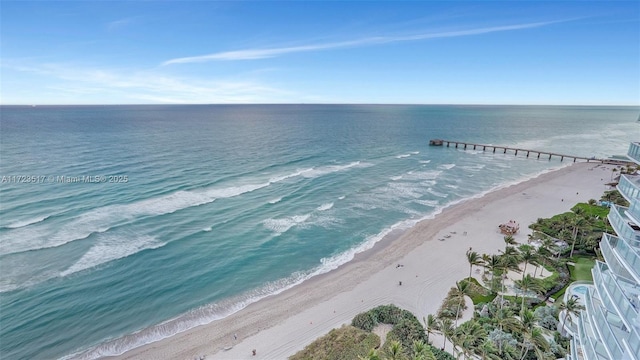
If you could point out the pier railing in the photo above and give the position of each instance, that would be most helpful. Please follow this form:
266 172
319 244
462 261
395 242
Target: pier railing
504 149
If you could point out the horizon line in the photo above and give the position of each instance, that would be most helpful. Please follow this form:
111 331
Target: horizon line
320 103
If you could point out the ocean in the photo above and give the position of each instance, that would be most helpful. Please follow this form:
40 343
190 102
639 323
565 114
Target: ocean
122 225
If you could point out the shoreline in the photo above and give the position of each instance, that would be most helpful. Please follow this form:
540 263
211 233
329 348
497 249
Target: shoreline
279 325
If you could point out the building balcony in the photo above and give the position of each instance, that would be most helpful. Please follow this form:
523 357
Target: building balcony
625 227
634 152
634 212
629 187
586 341
617 294
632 348
623 259
608 327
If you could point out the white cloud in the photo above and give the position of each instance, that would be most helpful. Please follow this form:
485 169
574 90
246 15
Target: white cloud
82 85
122 23
252 54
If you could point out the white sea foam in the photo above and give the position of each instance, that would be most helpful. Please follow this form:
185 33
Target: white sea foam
415 152
324 207
403 156
423 175
396 178
275 201
428 183
424 161
451 186
212 312
476 167
112 247
282 225
431 203
11 283
200 316
365 206
446 166
289 176
208 229
27 222
436 193
102 219
341 197
404 190
324 170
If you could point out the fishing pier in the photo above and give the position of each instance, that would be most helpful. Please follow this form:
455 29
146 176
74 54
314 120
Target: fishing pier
504 149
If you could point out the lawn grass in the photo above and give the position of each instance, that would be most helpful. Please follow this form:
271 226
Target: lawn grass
581 271
480 294
592 210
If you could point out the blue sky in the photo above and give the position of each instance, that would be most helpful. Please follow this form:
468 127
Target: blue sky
414 52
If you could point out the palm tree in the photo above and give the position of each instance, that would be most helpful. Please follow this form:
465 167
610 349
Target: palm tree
430 324
528 283
488 351
447 330
493 264
527 255
535 340
532 337
577 224
463 288
564 235
541 253
394 350
474 259
470 336
504 319
570 307
509 241
509 260
421 351
372 355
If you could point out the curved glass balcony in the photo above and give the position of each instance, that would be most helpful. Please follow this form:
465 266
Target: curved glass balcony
622 258
629 187
623 226
606 330
620 293
634 152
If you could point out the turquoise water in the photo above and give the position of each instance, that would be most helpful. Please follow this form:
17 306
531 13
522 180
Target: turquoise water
580 289
143 221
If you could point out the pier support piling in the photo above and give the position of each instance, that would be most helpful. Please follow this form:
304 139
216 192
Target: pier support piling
504 149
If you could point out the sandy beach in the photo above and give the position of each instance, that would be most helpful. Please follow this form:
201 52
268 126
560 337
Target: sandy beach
432 255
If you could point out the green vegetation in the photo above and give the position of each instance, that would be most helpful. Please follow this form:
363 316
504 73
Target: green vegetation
581 228
591 210
581 271
406 331
503 326
406 340
582 268
478 293
615 197
346 343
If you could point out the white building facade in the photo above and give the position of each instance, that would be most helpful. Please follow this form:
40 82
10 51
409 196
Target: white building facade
609 326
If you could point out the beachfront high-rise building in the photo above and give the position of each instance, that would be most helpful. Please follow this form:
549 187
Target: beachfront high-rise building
609 326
